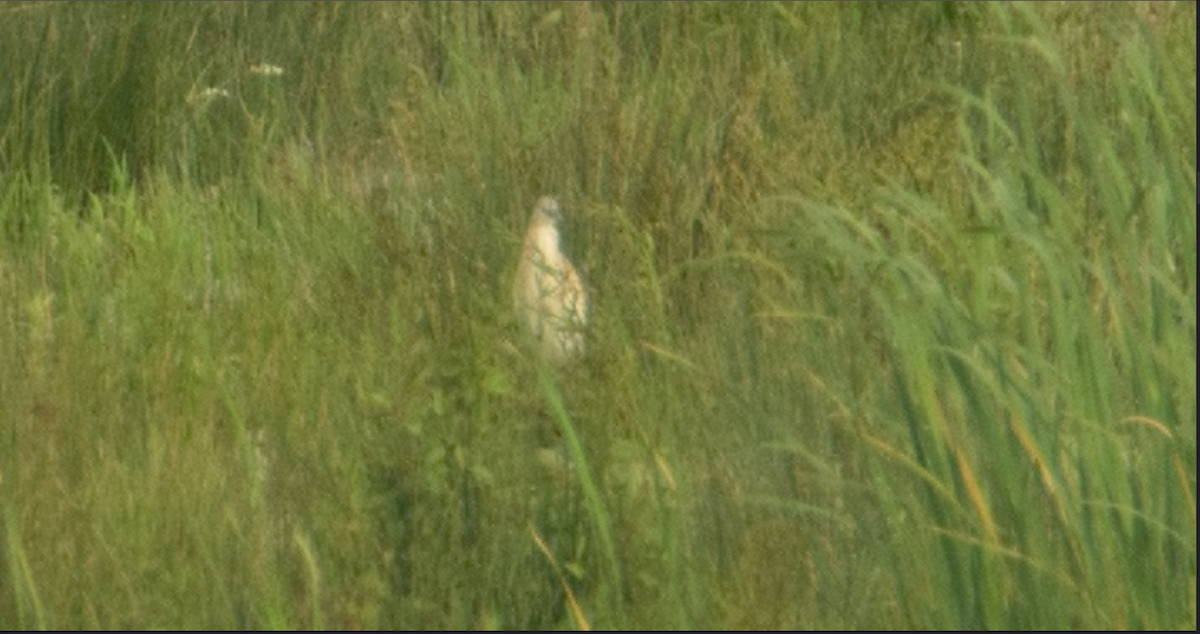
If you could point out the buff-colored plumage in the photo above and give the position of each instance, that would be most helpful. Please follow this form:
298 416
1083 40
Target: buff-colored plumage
548 295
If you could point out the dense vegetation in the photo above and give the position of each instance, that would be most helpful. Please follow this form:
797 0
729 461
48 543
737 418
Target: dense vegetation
894 315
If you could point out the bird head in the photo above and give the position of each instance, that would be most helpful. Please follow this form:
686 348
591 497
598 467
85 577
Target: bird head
547 210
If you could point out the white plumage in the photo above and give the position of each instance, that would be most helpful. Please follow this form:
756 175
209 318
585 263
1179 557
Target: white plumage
547 294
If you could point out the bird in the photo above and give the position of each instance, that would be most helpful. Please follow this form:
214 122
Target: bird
548 295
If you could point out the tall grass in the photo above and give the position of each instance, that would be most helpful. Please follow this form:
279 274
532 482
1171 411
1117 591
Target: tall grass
894 315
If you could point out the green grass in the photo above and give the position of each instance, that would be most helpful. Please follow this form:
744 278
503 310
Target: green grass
894 316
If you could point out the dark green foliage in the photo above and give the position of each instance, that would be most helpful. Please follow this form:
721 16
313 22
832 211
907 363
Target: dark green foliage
894 315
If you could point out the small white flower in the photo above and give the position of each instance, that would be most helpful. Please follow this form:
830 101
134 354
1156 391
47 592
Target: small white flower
207 95
266 70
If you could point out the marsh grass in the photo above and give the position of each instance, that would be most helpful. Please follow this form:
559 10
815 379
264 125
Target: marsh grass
894 316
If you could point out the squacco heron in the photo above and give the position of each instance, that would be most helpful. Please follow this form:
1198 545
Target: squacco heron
547 293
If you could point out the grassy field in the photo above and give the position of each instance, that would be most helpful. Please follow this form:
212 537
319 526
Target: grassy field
894 315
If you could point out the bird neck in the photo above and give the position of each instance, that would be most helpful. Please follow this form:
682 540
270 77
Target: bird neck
547 241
